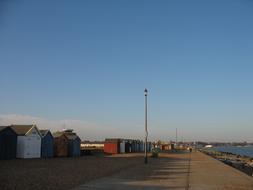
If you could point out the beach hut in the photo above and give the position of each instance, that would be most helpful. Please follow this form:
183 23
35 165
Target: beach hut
67 143
47 144
122 146
74 144
127 146
112 146
60 144
171 146
8 143
141 146
138 145
28 141
131 145
134 146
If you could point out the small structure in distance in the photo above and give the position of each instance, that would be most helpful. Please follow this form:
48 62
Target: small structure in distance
28 141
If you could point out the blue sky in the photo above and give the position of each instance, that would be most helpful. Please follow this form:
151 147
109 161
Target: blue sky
91 60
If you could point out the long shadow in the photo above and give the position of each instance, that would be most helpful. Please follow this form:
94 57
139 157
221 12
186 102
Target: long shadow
162 173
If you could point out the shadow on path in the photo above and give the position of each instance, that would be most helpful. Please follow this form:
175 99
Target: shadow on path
165 172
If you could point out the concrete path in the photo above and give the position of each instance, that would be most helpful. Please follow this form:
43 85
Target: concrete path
181 171
207 173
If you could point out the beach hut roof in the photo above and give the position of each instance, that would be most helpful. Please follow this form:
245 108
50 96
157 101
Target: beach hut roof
23 129
2 127
68 130
113 140
57 134
71 136
44 132
68 135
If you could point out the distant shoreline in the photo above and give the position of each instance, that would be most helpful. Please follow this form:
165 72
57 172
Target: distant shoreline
237 150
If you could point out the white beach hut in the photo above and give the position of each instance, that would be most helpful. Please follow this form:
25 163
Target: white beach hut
28 141
122 146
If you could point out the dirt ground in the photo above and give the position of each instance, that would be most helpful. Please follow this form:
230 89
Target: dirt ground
60 173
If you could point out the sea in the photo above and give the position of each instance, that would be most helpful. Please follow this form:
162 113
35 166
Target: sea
239 150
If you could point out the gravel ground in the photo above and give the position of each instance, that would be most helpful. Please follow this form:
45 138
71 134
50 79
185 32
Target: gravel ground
61 173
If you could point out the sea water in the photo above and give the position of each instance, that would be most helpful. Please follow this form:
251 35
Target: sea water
243 151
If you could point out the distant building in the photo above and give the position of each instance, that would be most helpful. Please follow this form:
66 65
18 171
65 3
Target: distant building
94 145
74 144
171 146
47 144
117 145
8 143
123 146
28 141
112 146
128 147
60 145
165 147
67 143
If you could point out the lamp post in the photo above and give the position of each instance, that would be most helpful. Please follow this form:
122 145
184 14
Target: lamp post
146 124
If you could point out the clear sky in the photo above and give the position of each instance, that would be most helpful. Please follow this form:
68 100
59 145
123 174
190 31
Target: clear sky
86 64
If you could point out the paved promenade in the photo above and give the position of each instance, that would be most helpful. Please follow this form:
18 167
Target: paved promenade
179 171
210 174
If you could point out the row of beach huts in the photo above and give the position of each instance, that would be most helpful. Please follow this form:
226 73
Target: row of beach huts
27 141
116 146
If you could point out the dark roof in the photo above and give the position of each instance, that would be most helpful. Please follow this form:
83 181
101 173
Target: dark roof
3 127
7 127
69 135
57 134
68 130
44 132
113 140
21 129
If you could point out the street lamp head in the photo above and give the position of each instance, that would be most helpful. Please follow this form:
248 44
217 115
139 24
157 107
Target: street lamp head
145 92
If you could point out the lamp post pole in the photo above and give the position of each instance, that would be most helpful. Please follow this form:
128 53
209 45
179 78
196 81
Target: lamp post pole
146 124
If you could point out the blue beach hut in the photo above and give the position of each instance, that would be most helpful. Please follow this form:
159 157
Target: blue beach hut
8 143
74 143
47 144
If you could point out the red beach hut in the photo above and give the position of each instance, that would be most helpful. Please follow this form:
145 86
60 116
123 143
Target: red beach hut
112 146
